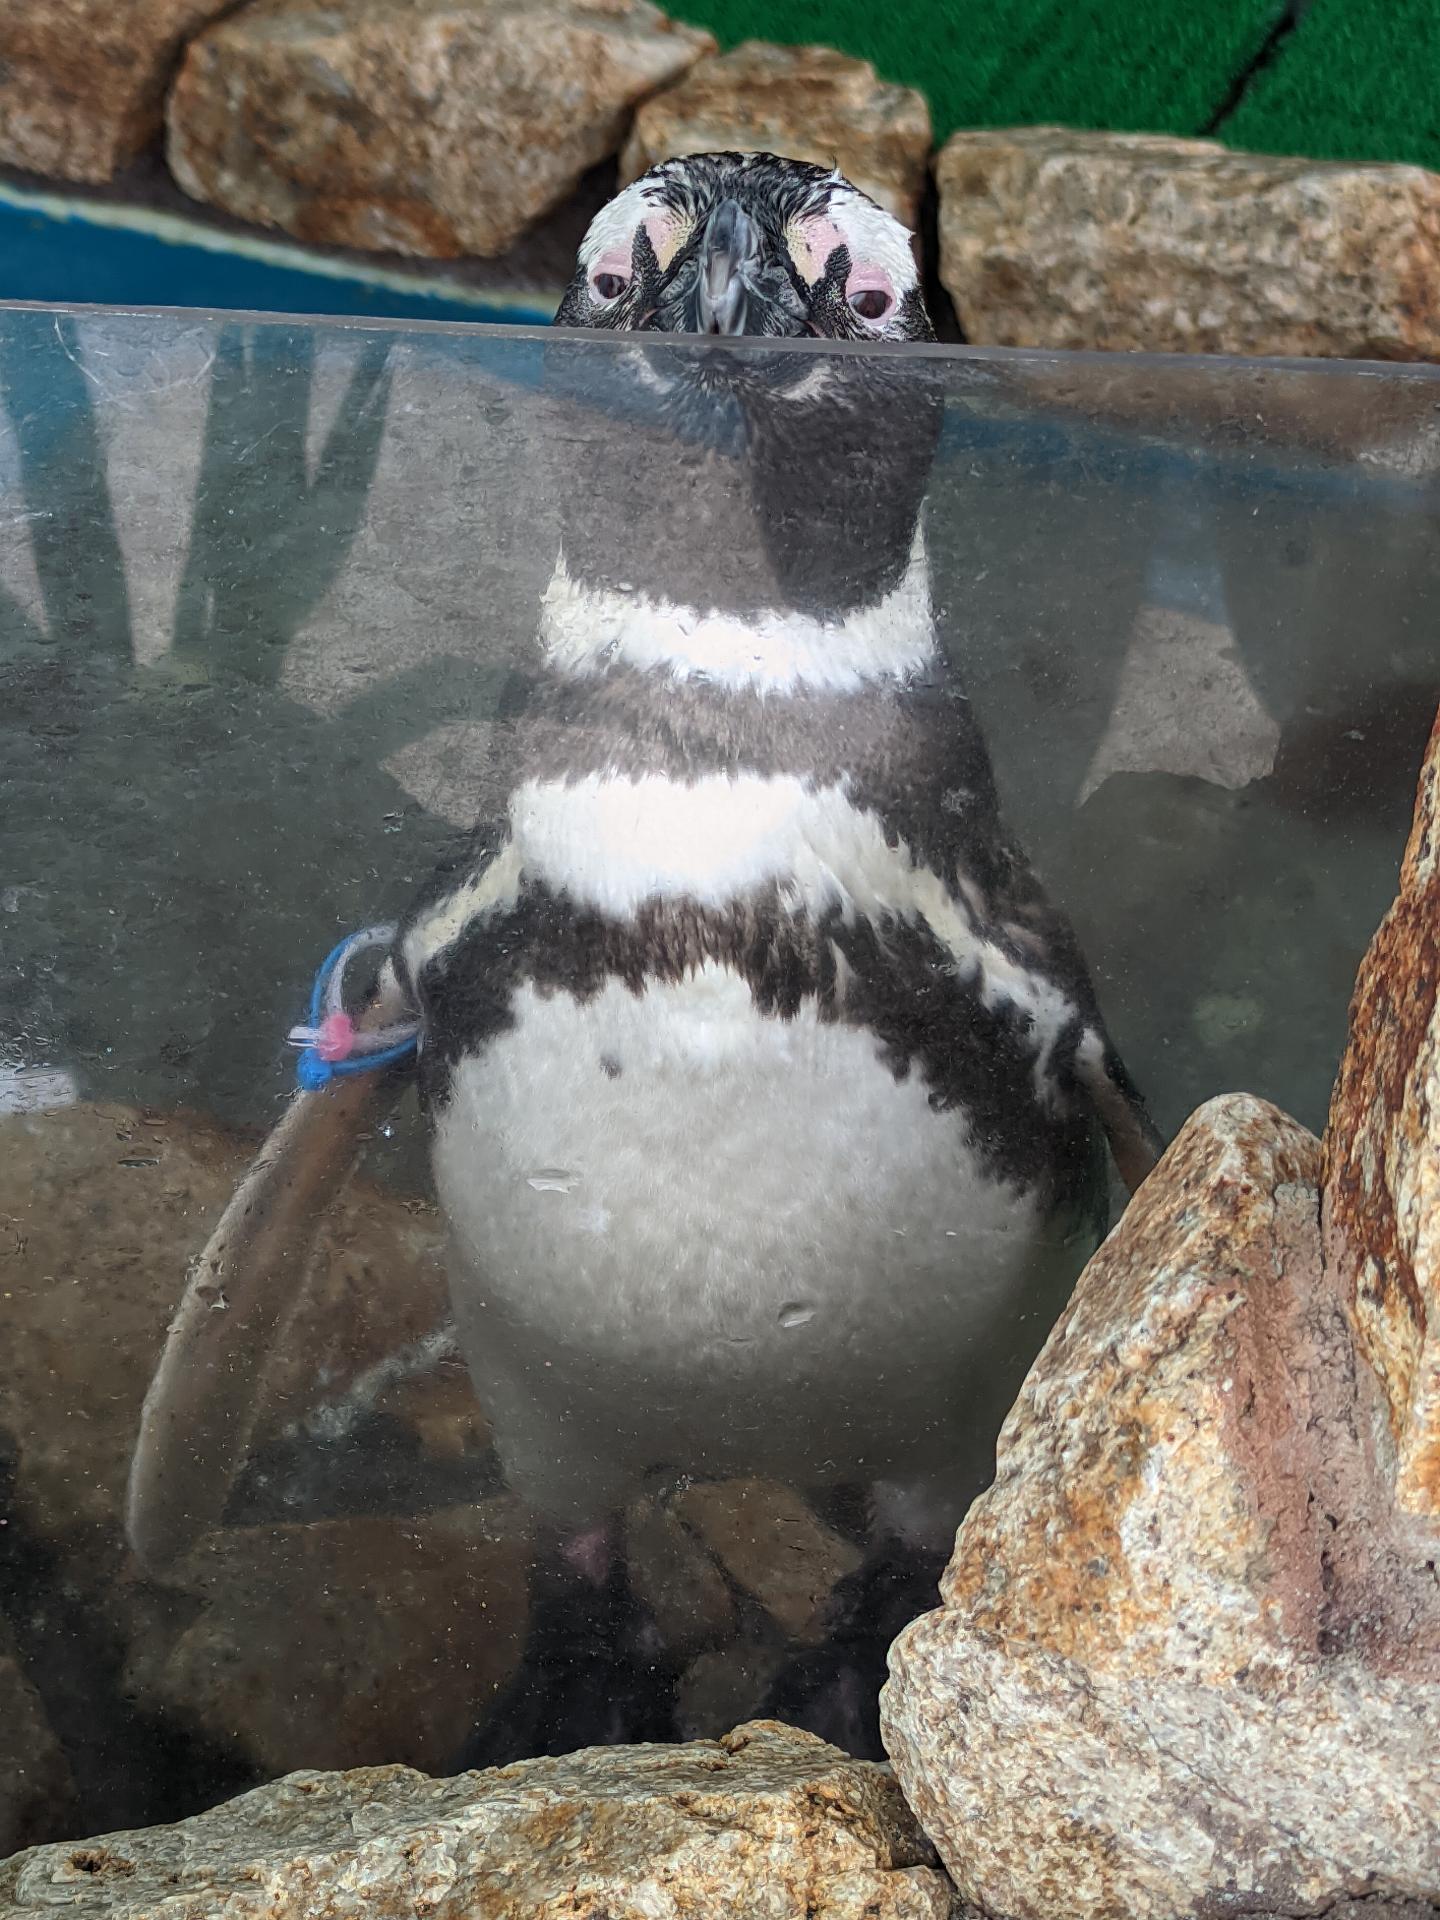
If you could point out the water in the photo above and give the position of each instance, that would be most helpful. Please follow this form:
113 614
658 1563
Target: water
707 1399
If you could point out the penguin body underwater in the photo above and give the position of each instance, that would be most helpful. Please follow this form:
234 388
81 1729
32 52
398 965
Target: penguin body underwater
767 1092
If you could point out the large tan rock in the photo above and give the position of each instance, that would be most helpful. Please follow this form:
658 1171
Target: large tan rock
1382 1161
82 82
434 127
808 103
1189 1654
767 1823
1055 238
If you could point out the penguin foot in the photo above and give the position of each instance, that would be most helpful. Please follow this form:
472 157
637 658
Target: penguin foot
593 1672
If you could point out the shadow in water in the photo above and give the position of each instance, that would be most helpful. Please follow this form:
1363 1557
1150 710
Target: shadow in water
151 808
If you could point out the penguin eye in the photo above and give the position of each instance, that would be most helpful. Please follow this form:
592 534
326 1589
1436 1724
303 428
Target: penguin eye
608 286
871 303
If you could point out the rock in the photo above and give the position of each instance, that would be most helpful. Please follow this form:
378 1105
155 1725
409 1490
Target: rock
1189 1653
1054 238
1184 704
724 1682
807 103
771 1544
82 82
348 1642
36 1791
675 1576
441 127
768 1823
1382 1162
103 1209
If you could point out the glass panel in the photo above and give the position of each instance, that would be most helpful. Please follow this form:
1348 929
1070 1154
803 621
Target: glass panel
759 1069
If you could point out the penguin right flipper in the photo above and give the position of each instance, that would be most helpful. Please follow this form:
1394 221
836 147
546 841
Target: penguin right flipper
201 1405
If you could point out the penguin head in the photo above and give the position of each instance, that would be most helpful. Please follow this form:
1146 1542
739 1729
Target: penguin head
746 243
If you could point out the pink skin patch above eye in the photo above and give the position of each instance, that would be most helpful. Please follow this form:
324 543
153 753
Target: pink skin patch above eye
821 237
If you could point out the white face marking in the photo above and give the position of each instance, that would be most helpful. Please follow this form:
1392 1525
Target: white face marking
610 238
583 629
881 260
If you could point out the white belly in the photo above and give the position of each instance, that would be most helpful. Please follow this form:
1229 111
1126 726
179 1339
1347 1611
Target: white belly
689 1236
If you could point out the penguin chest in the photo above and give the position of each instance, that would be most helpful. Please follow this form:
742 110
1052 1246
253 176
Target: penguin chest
668 1199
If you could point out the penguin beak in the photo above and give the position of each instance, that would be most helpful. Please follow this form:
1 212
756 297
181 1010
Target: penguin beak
732 279
729 256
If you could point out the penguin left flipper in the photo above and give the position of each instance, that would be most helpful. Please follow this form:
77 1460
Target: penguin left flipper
1013 927
1136 1143
200 1409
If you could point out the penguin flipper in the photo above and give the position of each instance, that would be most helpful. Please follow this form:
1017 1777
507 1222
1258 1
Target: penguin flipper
1136 1143
200 1409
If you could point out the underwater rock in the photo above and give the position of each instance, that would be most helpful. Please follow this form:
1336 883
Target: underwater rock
767 1823
103 1209
676 1577
440 128
82 82
1056 238
1189 1652
36 1792
347 1642
773 1545
1184 704
808 103
1382 1162
723 1683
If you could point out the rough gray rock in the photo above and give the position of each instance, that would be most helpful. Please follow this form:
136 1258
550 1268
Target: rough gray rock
1189 1651
430 127
1055 238
808 103
768 1823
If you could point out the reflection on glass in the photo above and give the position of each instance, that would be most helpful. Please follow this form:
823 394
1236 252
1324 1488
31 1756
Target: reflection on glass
870 752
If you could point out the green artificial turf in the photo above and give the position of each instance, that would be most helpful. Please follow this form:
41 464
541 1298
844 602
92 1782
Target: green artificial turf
1156 66
1356 80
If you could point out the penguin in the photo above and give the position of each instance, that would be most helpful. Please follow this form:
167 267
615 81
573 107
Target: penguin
768 1094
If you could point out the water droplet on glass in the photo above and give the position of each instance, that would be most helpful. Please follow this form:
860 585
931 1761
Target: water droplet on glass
552 1180
795 1313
